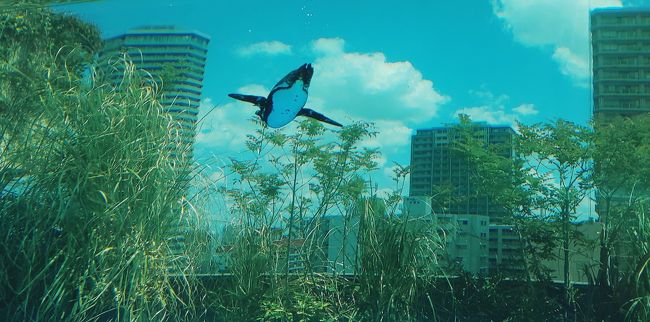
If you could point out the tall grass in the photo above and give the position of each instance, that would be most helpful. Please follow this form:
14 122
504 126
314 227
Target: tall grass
638 307
397 257
93 211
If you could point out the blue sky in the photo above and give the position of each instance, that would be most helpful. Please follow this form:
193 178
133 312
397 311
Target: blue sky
403 65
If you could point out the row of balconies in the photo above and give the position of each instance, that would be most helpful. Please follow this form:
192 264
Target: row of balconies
180 95
174 83
600 20
164 52
621 47
625 34
610 89
621 103
170 35
621 75
622 61
169 43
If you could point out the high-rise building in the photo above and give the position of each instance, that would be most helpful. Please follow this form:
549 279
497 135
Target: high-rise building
620 41
175 59
436 167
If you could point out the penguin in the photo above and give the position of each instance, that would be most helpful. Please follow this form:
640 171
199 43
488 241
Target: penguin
286 100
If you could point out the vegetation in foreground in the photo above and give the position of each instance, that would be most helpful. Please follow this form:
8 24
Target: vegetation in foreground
97 224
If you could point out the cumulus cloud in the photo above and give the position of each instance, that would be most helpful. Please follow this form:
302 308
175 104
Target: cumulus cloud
367 85
271 48
560 25
526 109
223 128
571 64
392 135
488 114
493 109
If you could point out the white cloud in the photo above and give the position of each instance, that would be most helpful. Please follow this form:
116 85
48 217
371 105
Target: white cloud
223 128
367 85
572 65
271 48
328 46
526 109
489 114
392 136
559 24
489 98
493 109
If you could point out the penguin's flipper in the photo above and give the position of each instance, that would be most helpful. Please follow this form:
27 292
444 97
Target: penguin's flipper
257 100
317 116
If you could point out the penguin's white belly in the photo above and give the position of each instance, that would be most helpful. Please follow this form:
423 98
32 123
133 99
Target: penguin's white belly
286 105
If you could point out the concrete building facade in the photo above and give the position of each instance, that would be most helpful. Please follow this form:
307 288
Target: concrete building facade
505 250
466 241
464 237
175 60
436 167
620 40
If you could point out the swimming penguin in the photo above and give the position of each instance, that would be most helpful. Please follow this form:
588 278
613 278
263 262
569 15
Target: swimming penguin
286 100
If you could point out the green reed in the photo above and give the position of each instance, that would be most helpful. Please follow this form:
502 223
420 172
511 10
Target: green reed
94 212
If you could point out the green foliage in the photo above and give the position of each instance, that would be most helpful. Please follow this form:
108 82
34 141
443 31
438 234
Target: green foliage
310 299
560 156
556 167
92 214
621 171
13 4
551 172
638 307
396 255
279 198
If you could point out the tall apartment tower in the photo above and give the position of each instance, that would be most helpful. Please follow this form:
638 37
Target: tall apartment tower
620 41
435 167
175 58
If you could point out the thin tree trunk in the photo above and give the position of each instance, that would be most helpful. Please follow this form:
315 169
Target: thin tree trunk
565 246
291 219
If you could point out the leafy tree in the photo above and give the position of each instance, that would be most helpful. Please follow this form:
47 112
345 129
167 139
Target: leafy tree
548 170
283 192
621 172
560 156
499 172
